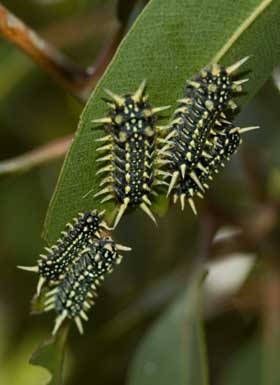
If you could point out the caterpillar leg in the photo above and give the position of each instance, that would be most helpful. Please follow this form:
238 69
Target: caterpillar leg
146 209
246 129
33 269
121 211
138 95
182 199
231 69
196 180
174 179
79 324
192 205
117 98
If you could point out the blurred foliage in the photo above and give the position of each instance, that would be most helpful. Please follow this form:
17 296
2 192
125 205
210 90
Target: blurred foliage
51 355
242 330
245 366
179 331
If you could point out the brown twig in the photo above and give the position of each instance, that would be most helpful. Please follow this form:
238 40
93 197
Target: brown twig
102 62
46 153
75 79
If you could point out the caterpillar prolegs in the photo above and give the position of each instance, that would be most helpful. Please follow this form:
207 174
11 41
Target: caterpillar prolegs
131 152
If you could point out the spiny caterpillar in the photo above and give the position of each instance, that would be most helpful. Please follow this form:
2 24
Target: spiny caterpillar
132 149
73 295
197 122
225 143
51 267
207 96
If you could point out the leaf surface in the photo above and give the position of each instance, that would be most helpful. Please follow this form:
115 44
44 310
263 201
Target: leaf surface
169 42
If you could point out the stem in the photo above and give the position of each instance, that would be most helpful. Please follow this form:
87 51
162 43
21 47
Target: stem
102 62
75 79
46 153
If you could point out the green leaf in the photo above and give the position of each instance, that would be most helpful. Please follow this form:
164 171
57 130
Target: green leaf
51 355
173 350
257 361
245 367
169 42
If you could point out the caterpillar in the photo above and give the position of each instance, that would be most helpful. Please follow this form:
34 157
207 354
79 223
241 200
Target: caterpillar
131 152
74 295
208 99
225 142
51 266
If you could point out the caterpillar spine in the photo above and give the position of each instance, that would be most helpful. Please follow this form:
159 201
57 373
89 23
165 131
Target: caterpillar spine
74 295
52 265
208 98
131 152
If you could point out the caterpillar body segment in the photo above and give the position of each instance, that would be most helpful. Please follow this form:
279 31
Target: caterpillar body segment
198 122
131 154
224 146
74 295
52 265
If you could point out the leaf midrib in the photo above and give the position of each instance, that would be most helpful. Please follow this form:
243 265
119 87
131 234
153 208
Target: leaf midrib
241 29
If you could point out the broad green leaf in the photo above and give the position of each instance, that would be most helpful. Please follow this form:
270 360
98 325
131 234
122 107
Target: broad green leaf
169 42
173 350
51 355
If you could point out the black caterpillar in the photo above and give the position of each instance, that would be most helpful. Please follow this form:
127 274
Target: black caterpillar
52 266
73 296
225 141
74 267
132 152
197 124
207 97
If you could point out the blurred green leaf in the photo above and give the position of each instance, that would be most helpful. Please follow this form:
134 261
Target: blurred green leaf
15 370
169 42
173 350
14 67
51 355
274 182
257 362
245 367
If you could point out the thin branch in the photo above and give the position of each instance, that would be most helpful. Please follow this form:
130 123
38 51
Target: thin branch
75 79
44 154
101 63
